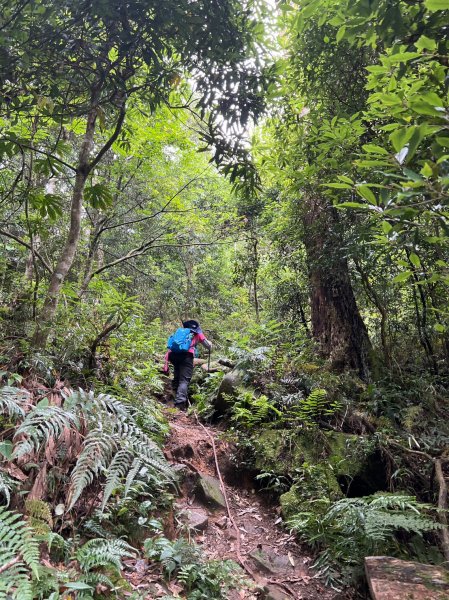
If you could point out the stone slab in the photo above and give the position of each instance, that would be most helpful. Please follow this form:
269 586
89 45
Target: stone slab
197 519
394 579
209 488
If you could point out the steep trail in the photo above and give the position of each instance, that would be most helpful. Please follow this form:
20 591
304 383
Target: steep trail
249 529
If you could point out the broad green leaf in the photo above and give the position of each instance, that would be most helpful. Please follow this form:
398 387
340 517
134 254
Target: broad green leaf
400 137
402 277
425 43
339 186
427 170
386 227
403 57
414 259
364 191
443 141
351 205
373 149
440 328
340 33
346 179
424 108
434 5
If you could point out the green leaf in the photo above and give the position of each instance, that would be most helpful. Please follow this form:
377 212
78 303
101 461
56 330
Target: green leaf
346 179
400 137
364 191
424 108
403 57
443 141
439 327
427 170
98 196
414 259
338 186
425 43
373 149
402 276
434 5
352 205
386 227
340 33
6 448
78 585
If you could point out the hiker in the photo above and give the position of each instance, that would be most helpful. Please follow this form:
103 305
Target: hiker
181 352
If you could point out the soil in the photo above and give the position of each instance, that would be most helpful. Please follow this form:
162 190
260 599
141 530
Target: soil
250 533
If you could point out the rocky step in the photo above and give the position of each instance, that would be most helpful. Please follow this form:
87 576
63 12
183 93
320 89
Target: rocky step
394 579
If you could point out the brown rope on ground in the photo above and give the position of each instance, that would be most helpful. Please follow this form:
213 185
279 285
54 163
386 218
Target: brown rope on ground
240 558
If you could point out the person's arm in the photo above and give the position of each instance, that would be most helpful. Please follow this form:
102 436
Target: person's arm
206 344
204 341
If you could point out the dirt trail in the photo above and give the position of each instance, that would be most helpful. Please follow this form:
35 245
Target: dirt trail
278 564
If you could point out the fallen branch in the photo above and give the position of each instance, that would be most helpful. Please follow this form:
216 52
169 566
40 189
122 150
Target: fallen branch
442 492
286 587
226 363
10 563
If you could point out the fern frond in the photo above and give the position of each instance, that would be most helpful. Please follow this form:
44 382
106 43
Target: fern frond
94 526
89 403
41 424
146 449
104 553
6 486
98 449
131 476
13 401
19 547
39 515
117 471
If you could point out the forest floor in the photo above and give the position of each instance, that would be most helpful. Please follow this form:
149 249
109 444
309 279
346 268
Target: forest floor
248 530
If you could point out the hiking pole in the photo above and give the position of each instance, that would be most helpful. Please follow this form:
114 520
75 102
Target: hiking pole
208 362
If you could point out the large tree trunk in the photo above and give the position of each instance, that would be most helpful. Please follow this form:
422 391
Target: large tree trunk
336 322
68 253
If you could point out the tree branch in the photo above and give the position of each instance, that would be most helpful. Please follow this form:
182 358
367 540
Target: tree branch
111 140
29 246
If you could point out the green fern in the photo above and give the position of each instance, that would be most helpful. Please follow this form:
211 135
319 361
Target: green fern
250 410
20 549
316 406
172 554
39 426
117 471
39 515
118 448
104 553
98 450
352 528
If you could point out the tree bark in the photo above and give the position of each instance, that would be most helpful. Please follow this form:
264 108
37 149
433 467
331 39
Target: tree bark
67 256
336 322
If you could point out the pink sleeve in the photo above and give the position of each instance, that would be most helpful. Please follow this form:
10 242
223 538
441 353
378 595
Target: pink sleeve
200 337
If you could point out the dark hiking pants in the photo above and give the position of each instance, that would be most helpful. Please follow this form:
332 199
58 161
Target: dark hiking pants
183 364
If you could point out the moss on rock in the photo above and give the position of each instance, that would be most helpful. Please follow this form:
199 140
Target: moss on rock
318 460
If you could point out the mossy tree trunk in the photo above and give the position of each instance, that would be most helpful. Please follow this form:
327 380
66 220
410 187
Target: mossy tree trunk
336 322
